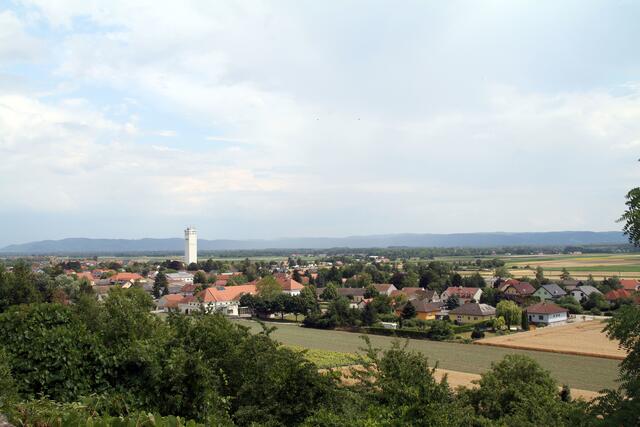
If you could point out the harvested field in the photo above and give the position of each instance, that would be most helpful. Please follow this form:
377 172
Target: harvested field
580 338
464 379
599 266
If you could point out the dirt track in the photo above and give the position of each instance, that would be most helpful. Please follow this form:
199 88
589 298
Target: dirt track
580 338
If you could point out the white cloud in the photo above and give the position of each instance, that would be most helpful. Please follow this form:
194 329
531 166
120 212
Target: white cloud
15 43
166 133
405 120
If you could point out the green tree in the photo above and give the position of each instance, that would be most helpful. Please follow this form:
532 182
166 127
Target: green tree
622 406
309 297
369 314
517 391
540 274
524 321
501 272
570 303
408 311
160 285
510 311
565 275
631 217
371 292
329 293
268 288
200 277
8 388
452 302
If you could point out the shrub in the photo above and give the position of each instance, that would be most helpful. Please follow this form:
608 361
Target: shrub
477 334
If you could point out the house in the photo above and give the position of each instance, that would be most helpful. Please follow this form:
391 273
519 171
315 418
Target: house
385 288
464 294
424 310
630 284
225 299
472 312
353 294
520 289
581 293
123 278
617 294
86 276
188 289
547 313
418 293
180 276
168 302
289 286
549 291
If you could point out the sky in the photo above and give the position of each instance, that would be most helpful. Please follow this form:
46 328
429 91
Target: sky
290 118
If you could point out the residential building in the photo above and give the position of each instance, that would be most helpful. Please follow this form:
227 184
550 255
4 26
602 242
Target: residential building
521 289
547 313
630 284
424 310
180 276
385 288
289 286
581 293
472 312
617 294
123 278
549 291
464 294
225 299
168 302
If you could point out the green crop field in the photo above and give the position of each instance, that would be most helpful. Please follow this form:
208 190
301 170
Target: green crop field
588 373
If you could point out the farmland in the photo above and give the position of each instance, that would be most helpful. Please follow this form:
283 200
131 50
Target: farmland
588 373
580 266
584 338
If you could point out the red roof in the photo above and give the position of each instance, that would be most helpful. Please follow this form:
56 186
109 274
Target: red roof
629 284
171 300
289 284
226 293
522 288
86 275
546 308
461 291
617 294
125 277
189 287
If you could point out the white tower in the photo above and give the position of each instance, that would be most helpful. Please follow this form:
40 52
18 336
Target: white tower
190 246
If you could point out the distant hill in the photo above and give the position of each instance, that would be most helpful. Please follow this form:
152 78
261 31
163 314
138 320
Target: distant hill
478 240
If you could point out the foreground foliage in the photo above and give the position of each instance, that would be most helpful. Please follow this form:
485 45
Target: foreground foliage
114 363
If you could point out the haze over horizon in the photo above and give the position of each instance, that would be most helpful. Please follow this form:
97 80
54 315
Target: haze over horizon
304 118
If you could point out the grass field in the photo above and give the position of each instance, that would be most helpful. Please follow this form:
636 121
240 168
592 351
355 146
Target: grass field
588 373
584 338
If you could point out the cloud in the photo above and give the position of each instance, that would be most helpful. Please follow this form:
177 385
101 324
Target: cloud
166 133
424 118
15 43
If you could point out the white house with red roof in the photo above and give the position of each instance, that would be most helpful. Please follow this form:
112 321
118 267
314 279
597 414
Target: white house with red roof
289 286
547 313
224 299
